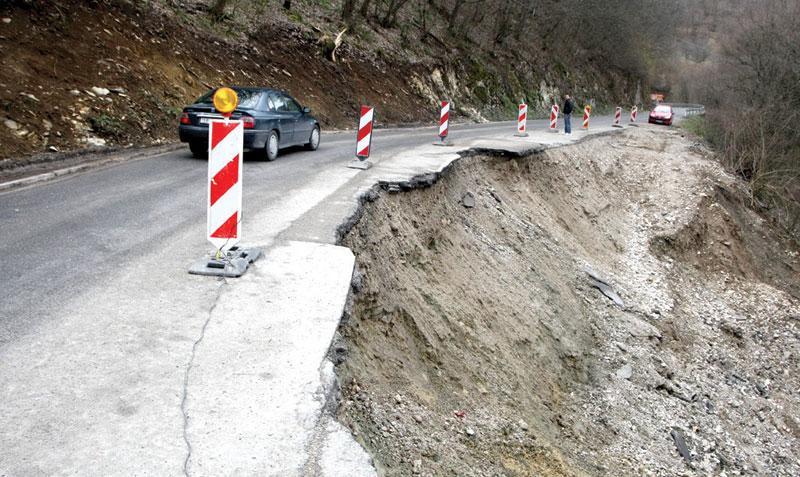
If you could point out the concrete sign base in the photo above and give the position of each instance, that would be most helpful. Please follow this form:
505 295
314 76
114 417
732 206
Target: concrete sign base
521 135
363 165
232 264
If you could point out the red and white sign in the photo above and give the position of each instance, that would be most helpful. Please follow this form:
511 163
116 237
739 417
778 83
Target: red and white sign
522 119
587 113
226 143
444 120
554 117
365 132
617 116
634 112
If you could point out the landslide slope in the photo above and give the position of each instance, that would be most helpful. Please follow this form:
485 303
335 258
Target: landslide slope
478 344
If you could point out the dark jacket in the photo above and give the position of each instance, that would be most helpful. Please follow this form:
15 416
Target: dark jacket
567 107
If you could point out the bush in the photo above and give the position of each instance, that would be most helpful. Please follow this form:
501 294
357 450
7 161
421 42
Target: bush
754 105
105 125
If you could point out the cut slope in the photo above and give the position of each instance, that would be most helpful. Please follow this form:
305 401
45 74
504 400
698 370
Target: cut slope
478 346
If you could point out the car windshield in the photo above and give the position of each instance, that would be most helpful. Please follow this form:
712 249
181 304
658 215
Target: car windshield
663 109
248 98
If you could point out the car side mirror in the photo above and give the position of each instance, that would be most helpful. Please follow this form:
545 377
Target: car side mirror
306 110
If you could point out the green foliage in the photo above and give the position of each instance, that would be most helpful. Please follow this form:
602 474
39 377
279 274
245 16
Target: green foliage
105 125
295 16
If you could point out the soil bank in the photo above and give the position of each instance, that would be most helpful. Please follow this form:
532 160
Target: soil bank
479 343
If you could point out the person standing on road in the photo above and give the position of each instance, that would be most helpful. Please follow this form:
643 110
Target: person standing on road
567 111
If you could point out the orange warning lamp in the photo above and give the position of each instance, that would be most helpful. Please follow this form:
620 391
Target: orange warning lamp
225 101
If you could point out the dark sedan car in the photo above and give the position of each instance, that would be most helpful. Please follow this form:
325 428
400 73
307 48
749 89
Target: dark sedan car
662 114
272 120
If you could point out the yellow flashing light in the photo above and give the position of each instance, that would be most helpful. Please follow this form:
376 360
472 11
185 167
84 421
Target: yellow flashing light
225 100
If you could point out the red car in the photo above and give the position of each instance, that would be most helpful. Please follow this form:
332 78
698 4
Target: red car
662 114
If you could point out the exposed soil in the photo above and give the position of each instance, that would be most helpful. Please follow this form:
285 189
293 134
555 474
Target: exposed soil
53 53
479 345
93 74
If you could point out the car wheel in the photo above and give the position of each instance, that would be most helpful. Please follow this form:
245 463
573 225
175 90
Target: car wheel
313 140
199 149
271 147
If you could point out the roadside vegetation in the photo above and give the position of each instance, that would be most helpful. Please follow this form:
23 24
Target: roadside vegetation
750 85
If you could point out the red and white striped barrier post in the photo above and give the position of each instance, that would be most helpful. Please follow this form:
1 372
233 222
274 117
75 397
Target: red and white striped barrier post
444 124
226 148
444 120
224 198
617 117
554 118
587 113
364 139
522 121
634 113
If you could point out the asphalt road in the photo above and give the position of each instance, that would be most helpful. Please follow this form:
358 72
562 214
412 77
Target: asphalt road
59 238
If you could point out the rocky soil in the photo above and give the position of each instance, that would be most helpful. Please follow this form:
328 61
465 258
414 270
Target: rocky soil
609 308
93 74
116 73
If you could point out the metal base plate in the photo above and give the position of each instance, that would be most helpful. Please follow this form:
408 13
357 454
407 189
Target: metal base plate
357 164
443 143
233 263
521 135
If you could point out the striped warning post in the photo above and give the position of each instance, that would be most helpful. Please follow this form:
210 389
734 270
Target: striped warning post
554 118
444 120
522 121
587 113
364 143
617 117
226 143
634 113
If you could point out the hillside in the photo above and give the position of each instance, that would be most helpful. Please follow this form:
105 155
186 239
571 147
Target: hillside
116 73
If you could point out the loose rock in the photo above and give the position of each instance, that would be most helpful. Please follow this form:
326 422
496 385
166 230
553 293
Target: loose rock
468 200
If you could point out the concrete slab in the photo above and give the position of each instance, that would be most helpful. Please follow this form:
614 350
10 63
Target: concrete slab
256 387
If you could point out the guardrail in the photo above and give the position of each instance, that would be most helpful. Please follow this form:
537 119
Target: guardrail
689 109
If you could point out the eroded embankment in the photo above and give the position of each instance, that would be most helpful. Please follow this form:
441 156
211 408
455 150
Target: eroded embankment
478 346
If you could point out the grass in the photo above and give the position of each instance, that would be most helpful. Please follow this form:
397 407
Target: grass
695 125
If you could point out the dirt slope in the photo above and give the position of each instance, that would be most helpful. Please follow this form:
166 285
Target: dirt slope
478 345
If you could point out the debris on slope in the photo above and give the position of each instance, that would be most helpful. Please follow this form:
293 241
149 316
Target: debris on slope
476 345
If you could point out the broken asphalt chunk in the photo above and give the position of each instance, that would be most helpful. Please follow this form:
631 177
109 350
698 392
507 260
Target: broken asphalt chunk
680 444
601 284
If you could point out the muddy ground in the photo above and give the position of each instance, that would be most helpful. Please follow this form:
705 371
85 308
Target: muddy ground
479 344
